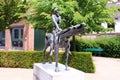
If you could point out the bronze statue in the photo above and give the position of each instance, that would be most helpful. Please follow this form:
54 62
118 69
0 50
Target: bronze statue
60 38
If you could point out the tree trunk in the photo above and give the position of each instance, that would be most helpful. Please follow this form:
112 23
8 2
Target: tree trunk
73 43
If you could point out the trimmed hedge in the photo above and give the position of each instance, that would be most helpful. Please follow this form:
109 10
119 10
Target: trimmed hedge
82 61
25 59
82 43
111 45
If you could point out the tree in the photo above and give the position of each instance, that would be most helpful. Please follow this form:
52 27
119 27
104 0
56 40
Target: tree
43 9
92 12
95 12
11 11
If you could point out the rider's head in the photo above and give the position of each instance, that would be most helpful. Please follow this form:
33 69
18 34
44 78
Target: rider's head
56 11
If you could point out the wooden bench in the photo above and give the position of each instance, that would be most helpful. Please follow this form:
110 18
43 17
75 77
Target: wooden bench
98 51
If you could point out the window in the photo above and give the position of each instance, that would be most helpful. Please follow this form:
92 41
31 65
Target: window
3 34
111 26
2 38
17 36
21 33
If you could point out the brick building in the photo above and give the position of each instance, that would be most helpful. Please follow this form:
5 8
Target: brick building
20 37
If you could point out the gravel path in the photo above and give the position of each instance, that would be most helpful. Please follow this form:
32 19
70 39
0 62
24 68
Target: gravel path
106 69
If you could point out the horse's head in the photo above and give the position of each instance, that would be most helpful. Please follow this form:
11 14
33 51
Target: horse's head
79 28
82 25
73 30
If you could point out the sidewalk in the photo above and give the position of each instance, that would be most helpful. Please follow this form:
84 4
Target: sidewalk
16 74
106 69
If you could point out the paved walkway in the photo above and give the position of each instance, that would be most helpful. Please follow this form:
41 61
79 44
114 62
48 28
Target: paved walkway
16 74
106 69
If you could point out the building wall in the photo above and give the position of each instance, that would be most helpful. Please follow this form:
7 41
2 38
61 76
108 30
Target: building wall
28 37
117 26
7 40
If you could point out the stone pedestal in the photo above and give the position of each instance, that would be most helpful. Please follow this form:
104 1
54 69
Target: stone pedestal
47 72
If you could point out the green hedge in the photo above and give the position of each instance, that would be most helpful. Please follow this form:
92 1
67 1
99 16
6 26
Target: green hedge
84 43
111 45
25 59
82 61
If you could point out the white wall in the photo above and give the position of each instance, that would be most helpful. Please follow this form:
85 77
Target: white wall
117 25
104 25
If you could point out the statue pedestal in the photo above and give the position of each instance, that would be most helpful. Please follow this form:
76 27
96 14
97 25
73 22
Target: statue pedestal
47 72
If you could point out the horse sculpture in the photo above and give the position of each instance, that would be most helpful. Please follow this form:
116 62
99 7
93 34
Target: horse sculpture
61 39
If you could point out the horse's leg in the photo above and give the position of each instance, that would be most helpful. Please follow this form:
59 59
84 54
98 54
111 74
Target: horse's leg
56 46
44 51
56 57
67 51
51 51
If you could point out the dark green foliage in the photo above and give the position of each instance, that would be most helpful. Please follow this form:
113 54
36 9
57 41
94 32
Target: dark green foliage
84 43
82 61
43 10
111 45
95 12
11 11
92 12
25 59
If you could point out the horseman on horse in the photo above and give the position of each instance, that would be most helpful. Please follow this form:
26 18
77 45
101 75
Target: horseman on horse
60 38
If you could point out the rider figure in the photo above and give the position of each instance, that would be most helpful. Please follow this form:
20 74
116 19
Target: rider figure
56 20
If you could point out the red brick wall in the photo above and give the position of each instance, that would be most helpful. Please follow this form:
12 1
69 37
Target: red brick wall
28 37
25 37
31 37
7 39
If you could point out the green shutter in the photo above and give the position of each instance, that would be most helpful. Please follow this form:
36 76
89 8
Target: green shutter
39 39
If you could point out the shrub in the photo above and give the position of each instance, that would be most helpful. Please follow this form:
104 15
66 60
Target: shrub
111 45
84 43
82 61
25 59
